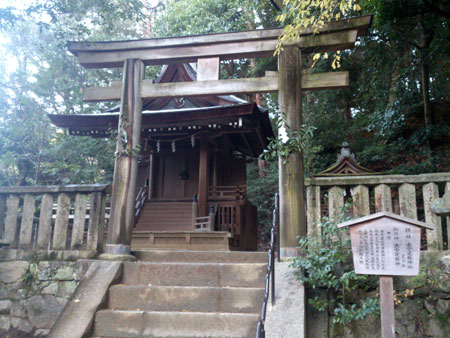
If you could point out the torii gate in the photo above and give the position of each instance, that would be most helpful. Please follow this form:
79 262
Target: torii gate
207 51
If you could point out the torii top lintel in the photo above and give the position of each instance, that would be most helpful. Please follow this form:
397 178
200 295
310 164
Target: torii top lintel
248 44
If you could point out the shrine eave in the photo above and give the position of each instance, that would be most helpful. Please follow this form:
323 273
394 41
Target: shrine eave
242 121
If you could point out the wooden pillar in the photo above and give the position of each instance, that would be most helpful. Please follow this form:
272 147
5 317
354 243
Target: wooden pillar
215 169
291 183
203 178
126 164
387 307
151 176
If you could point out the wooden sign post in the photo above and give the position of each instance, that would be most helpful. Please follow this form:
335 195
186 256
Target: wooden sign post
387 245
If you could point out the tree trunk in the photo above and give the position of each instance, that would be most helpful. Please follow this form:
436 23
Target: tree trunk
427 109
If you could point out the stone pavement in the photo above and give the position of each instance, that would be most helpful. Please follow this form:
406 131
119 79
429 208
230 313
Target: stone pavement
287 318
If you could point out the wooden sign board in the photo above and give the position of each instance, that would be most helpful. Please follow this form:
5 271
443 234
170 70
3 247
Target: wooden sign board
386 246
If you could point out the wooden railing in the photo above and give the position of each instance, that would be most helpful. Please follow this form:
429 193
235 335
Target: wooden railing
270 275
202 223
407 195
228 216
141 198
240 219
28 228
227 193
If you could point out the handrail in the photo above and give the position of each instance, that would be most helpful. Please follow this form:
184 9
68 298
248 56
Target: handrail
270 275
141 198
224 192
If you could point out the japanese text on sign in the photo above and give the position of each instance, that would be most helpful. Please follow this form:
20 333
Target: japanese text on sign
388 248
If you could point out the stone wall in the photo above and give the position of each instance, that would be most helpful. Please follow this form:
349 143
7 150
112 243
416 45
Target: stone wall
33 294
422 305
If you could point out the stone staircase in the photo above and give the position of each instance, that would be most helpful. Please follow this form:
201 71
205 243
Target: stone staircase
170 293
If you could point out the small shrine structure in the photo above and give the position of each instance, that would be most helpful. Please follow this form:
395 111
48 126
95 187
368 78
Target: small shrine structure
346 164
191 163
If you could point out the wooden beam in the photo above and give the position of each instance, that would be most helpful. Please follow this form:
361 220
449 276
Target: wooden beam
77 47
318 81
208 69
225 51
266 84
361 23
260 138
325 42
249 148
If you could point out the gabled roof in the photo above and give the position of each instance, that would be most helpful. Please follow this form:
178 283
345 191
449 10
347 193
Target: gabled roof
346 165
182 72
386 215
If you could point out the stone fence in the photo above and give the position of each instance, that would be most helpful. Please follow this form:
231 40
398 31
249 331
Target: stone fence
407 195
33 226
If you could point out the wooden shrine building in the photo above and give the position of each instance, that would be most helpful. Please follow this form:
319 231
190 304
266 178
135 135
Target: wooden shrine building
192 165
186 136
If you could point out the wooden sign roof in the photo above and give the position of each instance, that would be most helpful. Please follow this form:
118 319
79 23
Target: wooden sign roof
384 214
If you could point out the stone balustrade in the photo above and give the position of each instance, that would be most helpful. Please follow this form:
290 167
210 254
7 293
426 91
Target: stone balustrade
408 195
58 222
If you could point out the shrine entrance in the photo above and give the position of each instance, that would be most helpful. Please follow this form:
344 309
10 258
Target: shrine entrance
197 136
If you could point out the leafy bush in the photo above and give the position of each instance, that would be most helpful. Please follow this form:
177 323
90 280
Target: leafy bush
326 264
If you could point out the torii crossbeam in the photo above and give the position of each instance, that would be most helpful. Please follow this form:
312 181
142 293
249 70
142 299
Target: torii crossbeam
208 50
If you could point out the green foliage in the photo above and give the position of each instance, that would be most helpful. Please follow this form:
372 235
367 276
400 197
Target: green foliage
299 14
262 184
292 142
45 78
326 264
381 115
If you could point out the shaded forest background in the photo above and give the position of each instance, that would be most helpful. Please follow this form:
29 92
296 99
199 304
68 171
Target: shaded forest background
395 114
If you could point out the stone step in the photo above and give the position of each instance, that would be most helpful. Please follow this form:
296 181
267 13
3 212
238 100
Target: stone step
195 274
115 323
201 256
185 299
179 240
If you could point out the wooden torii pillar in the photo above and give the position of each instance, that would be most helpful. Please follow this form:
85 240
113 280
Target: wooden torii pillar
291 175
126 163
208 51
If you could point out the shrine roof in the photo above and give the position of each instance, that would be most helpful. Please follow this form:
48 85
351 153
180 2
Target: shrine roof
346 165
246 124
